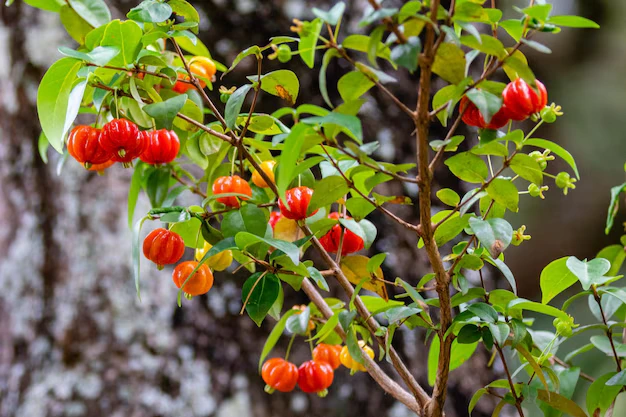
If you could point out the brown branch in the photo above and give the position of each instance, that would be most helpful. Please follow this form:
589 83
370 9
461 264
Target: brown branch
391 25
518 400
422 127
193 188
137 71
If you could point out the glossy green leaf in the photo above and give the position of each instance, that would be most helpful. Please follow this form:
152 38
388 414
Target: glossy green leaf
95 12
48 5
494 234
351 125
526 167
616 255
488 104
353 85
76 26
259 293
488 45
450 63
573 22
560 403
448 197
556 149
274 336
127 37
101 55
468 167
286 170
165 112
249 218
327 191
407 55
332 16
589 272
281 83
613 206
53 100
555 278
234 105
151 11
505 193
600 396
308 41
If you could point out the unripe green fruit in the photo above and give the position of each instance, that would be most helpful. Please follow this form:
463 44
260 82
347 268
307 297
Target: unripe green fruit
563 327
562 180
283 53
534 190
548 115
224 97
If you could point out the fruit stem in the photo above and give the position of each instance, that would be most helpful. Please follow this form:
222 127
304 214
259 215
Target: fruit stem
269 389
293 337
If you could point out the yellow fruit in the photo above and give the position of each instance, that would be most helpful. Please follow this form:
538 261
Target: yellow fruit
218 262
268 168
347 360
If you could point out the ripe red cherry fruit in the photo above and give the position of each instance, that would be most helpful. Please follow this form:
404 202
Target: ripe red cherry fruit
279 375
163 247
121 137
314 376
162 146
330 241
298 200
327 353
522 100
473 117
232 184
199 283
84 146
275 216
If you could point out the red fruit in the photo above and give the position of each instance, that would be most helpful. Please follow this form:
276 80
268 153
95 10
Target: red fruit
327 353
232 184
330 241
163 247
200 283
275 216
279 375
121 137
314 376
84 146
473 117
101 167
522 100
162 148
298 200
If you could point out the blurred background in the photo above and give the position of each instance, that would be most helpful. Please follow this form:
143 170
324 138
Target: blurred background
74 339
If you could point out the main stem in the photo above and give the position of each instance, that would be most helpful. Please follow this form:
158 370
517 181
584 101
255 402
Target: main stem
422 126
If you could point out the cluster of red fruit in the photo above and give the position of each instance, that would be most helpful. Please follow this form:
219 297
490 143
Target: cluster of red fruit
120 140
519 101
314 376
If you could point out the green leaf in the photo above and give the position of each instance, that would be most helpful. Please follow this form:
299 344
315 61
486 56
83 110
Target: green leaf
135 251
488 45
327 191
500 332
48 5
245 239
617 379
353 85
190 230
521 303
351 125
459 354
448 197
157 186
484 312
53 100
165 112
407 55
558 150
281 83
539 11
613 206
286 170
127 37
133 192
95 12
494 234
450 63
249 218
259 293
603 344
234 104
526 167
477 396
616 255
555 278
468 167
100 56
363 43
328 55
332 16
488 103
308 41
468 334
299 324
536 46
560 403
150 11
573 22
449 229
600 396
589 273
274 336
506 272
505 193
76 26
